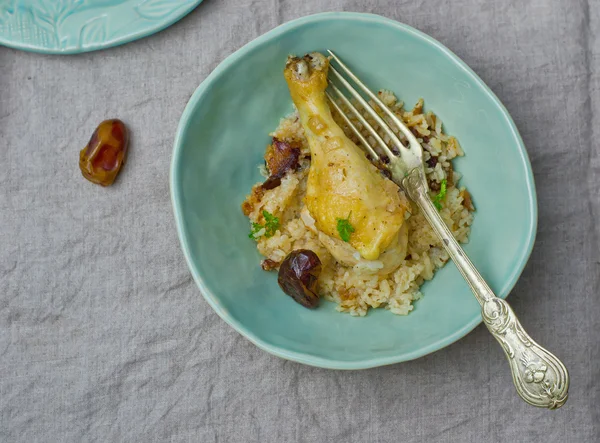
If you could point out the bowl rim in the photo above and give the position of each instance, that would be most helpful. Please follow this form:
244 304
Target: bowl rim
151 28
312 360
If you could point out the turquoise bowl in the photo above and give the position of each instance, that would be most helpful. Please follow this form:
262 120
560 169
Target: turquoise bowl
221 139
75 26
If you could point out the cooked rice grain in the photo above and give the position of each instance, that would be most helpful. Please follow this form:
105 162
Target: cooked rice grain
355 291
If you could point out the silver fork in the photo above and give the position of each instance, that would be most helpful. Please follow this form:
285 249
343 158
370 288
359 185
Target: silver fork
540 378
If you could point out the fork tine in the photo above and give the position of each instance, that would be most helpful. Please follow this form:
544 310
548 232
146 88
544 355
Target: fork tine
361 137
364 122
399 124
382 124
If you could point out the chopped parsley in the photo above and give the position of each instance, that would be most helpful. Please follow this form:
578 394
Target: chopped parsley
268 229
344 228
437 200
255 228
272 224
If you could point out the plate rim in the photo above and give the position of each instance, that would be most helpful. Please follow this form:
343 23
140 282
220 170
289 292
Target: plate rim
312 360
156 27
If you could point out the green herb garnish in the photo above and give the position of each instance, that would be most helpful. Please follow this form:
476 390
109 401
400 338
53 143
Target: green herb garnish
344 227
437 200
271 226
255 228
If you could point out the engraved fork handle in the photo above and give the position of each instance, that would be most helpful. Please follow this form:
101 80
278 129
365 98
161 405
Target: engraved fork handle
540 377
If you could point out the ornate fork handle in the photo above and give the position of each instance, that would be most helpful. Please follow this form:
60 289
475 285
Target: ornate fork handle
540 378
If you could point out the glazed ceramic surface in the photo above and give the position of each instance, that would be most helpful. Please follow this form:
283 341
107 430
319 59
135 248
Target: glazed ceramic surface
73 26
221 140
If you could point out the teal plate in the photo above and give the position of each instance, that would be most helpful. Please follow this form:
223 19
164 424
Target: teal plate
221 139
74 26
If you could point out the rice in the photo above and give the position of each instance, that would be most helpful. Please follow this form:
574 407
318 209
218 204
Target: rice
356 289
